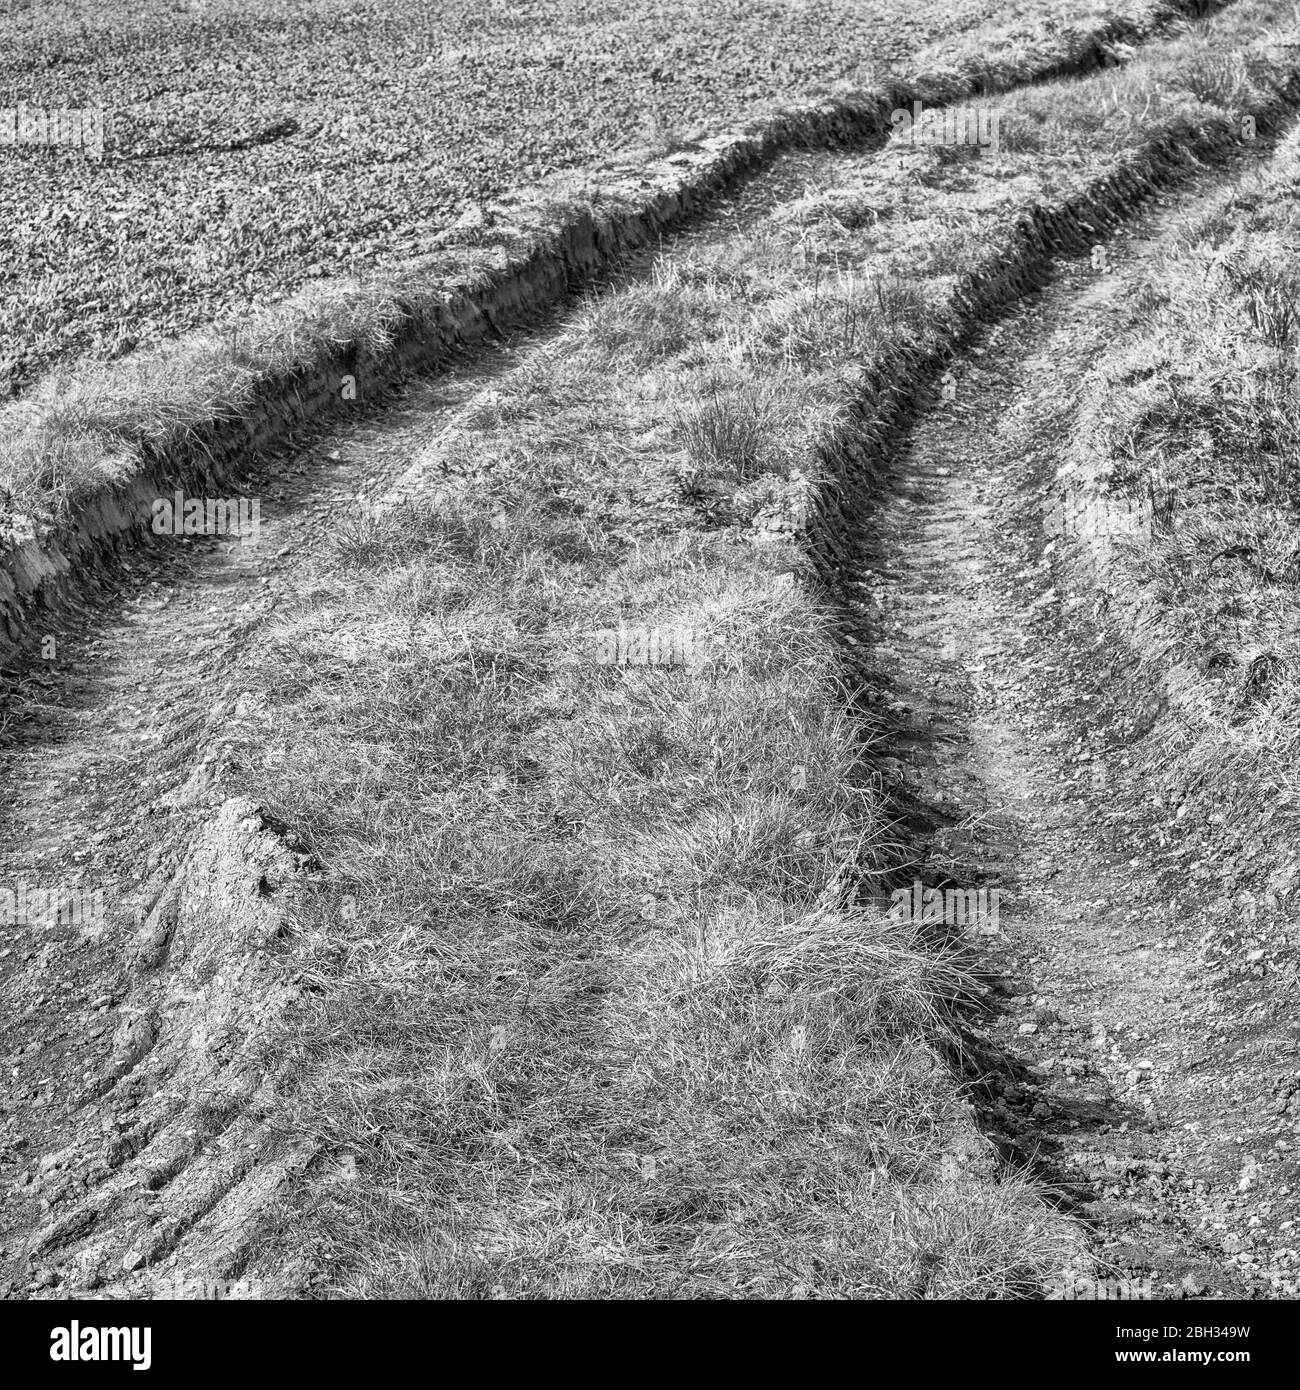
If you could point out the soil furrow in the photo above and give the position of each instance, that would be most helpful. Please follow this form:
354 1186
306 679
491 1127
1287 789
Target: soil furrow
1095 1071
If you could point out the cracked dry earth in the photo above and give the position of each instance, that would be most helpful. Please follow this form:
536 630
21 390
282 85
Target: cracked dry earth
1146 1095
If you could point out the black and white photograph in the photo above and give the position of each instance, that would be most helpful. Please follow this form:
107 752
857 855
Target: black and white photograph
649 655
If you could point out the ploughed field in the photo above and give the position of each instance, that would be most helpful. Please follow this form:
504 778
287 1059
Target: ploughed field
251 147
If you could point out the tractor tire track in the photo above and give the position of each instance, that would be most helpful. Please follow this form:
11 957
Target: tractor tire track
133 1150
1093 1069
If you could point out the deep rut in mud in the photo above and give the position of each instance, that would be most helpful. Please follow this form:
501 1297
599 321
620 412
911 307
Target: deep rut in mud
1111 1068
